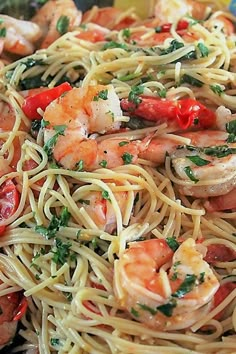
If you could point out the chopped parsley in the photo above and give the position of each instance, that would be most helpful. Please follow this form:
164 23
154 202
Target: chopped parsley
217 89
105 195
61 252
203 50
167 309
134 312
103 94
134 94
128 77
103 163
84 201
126 33
147 308
175 45
123 143
190 174
197 160
3 32
202 278
79 165
188 79
187 286
63 24
162 93
113 44
172 243
55 224
49 145
30 62
219 151
55 341
127 158
231 129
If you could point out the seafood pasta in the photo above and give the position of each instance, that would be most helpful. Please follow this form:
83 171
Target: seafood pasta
118 180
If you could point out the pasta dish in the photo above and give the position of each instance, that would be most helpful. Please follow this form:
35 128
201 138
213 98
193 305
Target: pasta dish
118 180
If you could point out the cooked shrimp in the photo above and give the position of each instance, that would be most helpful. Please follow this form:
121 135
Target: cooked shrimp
222 202
109 17
83 112
8 326
21 36
53 11
169 11
101 209
150 281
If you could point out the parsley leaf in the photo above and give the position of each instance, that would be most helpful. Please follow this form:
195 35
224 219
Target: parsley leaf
103 163
172 243
123 143
3 32
127 158
147 308
134 94
112 44
105 195
162 93
197 160
217 89
49 145
231 129
126 32
187 285
203 50
61 252
190 174
167 309
134 312
55 224
188 79
55 341
103 94
79 165
63 24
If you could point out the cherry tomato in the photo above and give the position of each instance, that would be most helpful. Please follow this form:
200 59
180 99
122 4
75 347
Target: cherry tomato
21 309
9 199
92 36
223 291
42 100
219 253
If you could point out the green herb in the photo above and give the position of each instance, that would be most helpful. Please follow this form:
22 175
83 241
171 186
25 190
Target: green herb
103 163
123 143
55 341
55 224
78 234
190 174
84 201
126 33
231 129
191 80
30 62
187 285
147 308
54 165
193 21
48 147
37 277
79 165
128 77
172 243
68 295
167 309
103 94
63 24
127 158
35 126
217 89
43 123
112 45
203 50
134 312
105 195
158 29
134 94
174 45
175 265
219 151
162 93
61 252
94 243
197 160
3 32
202 277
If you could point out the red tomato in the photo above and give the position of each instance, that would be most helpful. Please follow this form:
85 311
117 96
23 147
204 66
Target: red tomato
21 309
219 253
9 199
92 36
223 291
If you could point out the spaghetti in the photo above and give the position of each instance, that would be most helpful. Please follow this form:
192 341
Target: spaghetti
65 239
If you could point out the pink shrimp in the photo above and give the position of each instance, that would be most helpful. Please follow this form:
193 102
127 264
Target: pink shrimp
150 282
49 16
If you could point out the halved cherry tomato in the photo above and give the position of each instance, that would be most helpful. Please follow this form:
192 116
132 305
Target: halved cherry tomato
219 253
181 25
92 36
9 199
186 112
223 291
21 309
42 100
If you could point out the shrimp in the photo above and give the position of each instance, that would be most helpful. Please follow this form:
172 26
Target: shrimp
21 36
109 17
164 289
95 109
49 16
168 12
221 202
101 210
8 305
